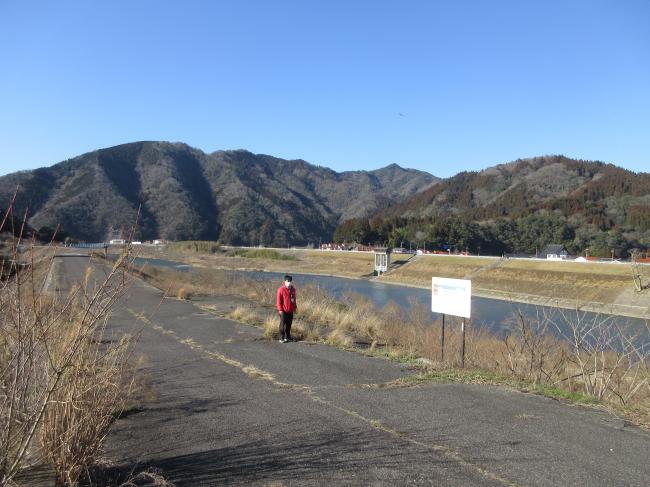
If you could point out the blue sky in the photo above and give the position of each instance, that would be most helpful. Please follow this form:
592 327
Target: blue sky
438 86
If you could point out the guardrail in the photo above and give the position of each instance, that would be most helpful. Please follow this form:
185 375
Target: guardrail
87 245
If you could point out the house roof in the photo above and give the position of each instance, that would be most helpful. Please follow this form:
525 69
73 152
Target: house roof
554 249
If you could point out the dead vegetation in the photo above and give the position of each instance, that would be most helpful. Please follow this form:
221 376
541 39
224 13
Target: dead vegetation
640 273
63 377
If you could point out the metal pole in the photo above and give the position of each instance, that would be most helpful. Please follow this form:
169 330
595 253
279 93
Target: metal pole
462 345
442 340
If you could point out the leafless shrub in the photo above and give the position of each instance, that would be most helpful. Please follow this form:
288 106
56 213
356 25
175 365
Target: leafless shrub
606 359
262 292
95 385
530 351
58 380
639 273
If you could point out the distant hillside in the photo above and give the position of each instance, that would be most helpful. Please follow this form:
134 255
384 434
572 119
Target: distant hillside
12 225
574 187
233 196
523 205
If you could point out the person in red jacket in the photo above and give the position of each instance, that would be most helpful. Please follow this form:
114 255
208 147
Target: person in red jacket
286 306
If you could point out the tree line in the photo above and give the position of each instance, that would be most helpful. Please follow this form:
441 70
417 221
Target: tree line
525 235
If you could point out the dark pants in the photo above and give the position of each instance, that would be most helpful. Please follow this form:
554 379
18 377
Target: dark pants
285 325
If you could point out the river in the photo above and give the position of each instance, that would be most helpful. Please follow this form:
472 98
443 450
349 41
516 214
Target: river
493 314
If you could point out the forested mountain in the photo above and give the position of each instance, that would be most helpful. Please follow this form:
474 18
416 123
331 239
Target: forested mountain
242 198
183 193
521 206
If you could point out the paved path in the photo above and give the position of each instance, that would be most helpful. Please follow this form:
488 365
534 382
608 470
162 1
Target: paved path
231 408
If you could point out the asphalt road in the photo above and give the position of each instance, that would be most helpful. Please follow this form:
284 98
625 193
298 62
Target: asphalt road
231 408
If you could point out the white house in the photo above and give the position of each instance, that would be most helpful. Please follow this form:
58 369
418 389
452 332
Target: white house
554 252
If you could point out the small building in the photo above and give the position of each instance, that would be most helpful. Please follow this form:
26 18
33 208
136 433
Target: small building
382 259
554 252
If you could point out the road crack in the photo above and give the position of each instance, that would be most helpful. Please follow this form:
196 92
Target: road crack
255 372
250 370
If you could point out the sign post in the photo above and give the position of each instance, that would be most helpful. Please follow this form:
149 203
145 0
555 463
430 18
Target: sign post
442 340
462 343
453 297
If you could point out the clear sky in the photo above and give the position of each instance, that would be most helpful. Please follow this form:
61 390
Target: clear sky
442 86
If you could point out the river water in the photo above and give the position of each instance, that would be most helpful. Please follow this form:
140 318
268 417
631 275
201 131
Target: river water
493 314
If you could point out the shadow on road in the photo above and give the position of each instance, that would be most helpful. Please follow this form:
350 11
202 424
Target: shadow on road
314 461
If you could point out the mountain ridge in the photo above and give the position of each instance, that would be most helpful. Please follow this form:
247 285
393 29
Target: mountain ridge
588 206
239 197
185 193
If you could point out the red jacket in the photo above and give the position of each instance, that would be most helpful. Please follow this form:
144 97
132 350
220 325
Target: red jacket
286 299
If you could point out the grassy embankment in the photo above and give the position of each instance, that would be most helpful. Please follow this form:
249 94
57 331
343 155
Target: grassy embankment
530 358
600 287
347 264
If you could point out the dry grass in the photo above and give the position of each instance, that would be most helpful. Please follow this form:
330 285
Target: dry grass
62 378
420 270
339 337
245 315
271 327
82 408
300 329
591 283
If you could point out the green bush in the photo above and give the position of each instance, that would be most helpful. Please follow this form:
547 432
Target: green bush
262 254
198 246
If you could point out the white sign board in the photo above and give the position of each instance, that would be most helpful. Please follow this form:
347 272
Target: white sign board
451 296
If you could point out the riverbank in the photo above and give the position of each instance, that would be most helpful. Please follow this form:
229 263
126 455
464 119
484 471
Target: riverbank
589 286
